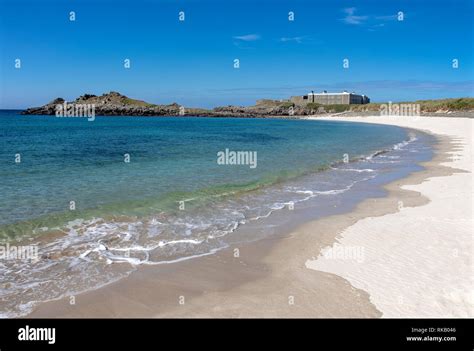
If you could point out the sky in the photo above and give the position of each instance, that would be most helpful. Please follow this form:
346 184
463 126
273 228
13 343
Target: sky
191 62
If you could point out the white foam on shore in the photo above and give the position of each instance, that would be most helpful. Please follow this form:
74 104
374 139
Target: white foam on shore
418 262
353 169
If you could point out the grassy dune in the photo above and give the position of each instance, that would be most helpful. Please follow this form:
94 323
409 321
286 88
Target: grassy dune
455 104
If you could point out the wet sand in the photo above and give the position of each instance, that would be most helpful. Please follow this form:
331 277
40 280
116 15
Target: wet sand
268 278
419 261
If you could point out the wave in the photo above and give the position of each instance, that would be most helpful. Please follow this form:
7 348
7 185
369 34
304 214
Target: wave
169 202
153 231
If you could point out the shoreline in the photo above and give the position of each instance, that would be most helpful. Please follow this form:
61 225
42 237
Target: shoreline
268 279
116 104
322 116
422 255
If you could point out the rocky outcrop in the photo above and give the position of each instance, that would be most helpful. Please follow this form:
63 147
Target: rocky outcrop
116 104
111 104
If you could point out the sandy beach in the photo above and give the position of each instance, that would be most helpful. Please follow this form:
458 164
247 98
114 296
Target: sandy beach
418 261
415 256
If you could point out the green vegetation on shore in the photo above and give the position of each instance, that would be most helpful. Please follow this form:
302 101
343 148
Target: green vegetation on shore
462 104
116 104
453 104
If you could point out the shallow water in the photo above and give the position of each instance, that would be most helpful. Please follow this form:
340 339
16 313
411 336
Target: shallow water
128 214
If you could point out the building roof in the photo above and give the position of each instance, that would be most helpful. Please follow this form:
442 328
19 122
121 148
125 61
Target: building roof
343 93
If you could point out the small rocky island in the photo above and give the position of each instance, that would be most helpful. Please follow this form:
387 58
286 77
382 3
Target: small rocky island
116 104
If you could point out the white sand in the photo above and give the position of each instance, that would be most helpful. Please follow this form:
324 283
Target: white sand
418 262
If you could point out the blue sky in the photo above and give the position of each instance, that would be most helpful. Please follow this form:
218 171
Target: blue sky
191 62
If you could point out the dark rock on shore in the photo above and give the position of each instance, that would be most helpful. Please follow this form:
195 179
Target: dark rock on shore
116 104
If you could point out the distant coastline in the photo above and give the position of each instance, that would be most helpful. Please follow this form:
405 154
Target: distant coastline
116 104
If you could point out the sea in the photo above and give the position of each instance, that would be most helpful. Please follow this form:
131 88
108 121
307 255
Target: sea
98 199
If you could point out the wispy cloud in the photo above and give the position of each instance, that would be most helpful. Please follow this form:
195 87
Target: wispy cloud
386 18
371 22
352 18
298 40
248 37
301 39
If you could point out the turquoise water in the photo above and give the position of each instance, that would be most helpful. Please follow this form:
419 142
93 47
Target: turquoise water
171 159
131 214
